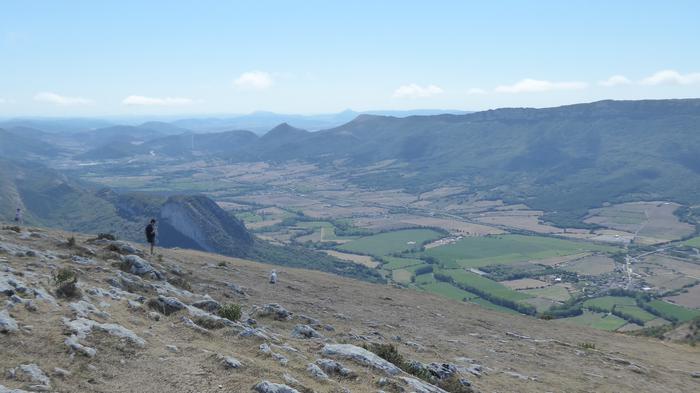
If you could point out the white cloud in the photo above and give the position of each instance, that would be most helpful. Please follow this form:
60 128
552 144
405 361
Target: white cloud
57 99
416 91
615 80
476 91
255 80
671 77
537 86
156 101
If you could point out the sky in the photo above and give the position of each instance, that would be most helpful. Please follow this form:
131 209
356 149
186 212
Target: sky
98 58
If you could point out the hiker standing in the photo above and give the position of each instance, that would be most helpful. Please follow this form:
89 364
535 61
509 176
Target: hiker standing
151 233
18 216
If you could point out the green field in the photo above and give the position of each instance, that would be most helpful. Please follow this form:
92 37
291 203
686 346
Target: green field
608 302
402 276
555 293
597 321
505 249
694 242
682 314
424 279
636 312
484 284
249 217
390 242
449 291
399 263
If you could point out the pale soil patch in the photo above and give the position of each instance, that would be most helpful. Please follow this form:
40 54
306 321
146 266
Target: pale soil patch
524 283
232 206
591 265
460 227
654 222
554 261
262 224
518 220
359 259
690 299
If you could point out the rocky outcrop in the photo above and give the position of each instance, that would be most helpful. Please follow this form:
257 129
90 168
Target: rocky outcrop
269 387
198 222
7 323
361 356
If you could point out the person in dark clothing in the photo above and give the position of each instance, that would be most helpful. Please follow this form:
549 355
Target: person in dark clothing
151 234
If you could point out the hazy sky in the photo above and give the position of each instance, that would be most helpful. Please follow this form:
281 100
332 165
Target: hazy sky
77 58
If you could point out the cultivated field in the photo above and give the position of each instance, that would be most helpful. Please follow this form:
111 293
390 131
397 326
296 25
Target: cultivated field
390 242
596 320
505 249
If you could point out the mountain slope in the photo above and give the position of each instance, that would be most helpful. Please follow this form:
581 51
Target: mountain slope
563 160
140 345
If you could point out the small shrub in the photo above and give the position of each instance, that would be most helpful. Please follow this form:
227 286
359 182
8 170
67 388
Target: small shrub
586 345
66 283
454 385
106 236
71 241
387 352
159 257
209 323
232 312
14 228
222 264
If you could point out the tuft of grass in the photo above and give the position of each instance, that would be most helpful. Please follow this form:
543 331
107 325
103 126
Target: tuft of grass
586 345
232 312
222 264
180 283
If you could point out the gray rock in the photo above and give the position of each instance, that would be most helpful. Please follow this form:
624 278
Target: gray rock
32 373
208 304
166 305
230 362
305 332
73 342
124 248
172 348
60 372
309 320
334 368
7 323
269 387
277 311
361 356
316 372
130 283
418 386
442 371
139 266
83 261
3 389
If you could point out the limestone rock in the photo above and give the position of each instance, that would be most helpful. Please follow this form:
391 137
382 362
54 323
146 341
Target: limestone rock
277 311
166 305
7 323
269 387
134 264
418 386
316 372
360 355
334 368
305 332
208 304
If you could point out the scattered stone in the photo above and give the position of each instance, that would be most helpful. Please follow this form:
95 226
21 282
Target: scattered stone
124 248
30 305
360 355
230 362
418 386
316 372
290 379
8 390
172 348
134 305
269 387
130 283
254 332
32 373
442 371
83 309
190 324
7 323
166 305
208 304
305 332
309 320
83 261
139 266
334 368
154 316
60 372
516 375
74 344
277 311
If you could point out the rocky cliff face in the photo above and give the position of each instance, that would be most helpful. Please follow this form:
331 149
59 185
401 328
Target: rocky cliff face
199 223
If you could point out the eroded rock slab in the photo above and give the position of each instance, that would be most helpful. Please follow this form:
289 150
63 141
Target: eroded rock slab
360 355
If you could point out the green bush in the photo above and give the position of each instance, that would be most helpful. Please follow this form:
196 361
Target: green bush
71 241
66 283
106 236
232 312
